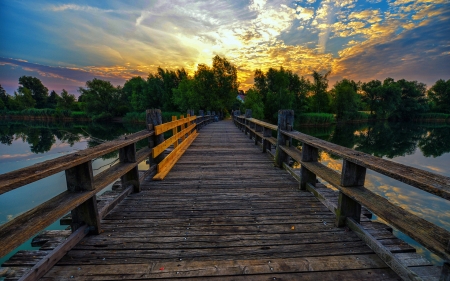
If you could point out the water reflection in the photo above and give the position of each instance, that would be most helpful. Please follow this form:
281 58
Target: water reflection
42 137
384 139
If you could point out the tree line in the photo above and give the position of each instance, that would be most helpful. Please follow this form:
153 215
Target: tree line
215 88
347 99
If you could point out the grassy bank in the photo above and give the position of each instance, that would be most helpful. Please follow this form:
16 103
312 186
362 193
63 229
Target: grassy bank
140 116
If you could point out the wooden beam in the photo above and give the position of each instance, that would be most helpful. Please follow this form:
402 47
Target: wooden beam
172 140
127 154
173 157
430 182
154 119
45 264
285 122
81 178
159 129
309 154
433 237
18 178
352 175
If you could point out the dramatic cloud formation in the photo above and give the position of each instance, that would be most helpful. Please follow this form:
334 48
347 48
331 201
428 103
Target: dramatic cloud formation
65 44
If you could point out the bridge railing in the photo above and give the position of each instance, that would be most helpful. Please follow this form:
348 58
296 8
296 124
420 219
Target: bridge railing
82 185
350 183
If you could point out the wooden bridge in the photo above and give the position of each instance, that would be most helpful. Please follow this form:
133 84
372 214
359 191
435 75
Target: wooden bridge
225 211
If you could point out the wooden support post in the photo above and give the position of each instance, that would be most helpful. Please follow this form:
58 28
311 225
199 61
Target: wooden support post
174 132
258 128
445 273
154 118
309 154
352 175
200 113
182 127
266 144
248 114
127 154
285 123
187 125
81 178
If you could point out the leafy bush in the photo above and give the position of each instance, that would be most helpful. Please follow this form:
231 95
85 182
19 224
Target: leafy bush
79 114
433 115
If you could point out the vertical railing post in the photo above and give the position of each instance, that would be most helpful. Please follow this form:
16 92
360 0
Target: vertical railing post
200 113
266 144
188 124
352 175
182 127
81 178
174 132
127 154
285 123
445 272
309 154
154 118
258 129
248 114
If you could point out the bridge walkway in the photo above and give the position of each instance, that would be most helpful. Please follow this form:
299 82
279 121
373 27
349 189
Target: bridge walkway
224 212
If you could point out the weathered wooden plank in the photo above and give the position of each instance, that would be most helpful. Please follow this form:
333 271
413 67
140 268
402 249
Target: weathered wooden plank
45 264
263 124
183 269
15 179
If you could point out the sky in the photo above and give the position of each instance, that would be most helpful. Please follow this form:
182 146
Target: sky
66 43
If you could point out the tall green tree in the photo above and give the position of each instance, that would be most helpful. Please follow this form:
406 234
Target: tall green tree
345 98
413 99
320 97
186 97
21 100
38 91
390 97
439 94
52 100
135 92
66 101
371 94
100 97
253 100
3 98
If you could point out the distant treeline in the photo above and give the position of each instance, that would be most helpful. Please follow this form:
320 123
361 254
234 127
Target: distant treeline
215 88
347 100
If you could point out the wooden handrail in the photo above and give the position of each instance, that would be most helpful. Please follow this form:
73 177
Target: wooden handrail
12 180
82 185
350 182
432 183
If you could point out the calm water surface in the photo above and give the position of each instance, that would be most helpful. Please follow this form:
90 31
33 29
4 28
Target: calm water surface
424 146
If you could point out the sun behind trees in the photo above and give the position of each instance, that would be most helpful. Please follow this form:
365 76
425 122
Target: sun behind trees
215 88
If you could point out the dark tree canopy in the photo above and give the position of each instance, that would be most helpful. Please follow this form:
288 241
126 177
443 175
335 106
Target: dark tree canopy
38 91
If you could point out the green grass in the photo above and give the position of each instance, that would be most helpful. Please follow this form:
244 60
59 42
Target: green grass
140 116
433 115
315 118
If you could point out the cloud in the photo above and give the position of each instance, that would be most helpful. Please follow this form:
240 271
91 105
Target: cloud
73 7
415 54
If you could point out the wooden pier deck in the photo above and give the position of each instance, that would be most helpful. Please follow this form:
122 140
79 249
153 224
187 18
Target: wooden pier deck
224 212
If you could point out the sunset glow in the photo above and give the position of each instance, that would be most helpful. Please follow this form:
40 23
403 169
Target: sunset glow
67 43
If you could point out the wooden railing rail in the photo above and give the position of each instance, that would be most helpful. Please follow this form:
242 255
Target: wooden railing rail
350 183
82 185
183 129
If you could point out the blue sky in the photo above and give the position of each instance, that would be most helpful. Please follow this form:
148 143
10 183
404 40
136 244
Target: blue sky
66 43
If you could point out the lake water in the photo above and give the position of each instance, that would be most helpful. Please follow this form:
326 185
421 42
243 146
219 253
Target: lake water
424 146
